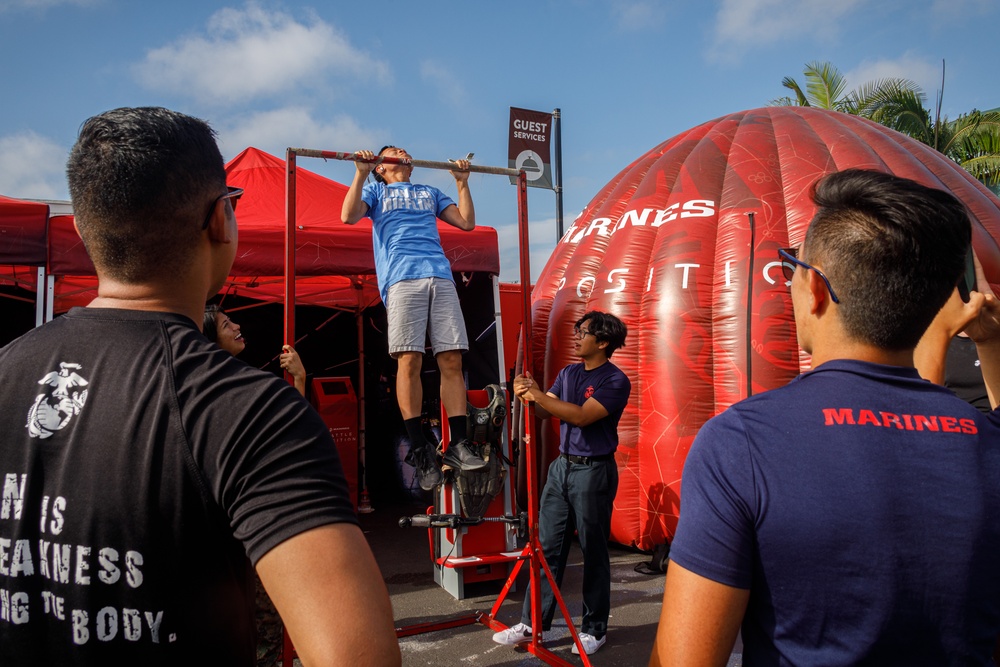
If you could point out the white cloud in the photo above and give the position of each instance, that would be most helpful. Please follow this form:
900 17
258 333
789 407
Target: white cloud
446 83
637 15
274 131
253 53
742 23
32 167
925 72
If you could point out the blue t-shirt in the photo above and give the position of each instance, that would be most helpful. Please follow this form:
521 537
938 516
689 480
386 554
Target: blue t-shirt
610 387
860 505
404 232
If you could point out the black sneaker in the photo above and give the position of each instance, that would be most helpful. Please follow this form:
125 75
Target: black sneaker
459 455
428 473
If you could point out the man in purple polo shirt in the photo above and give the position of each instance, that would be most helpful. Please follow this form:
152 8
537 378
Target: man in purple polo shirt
588 398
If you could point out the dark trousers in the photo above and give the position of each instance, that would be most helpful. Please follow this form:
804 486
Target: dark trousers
581 497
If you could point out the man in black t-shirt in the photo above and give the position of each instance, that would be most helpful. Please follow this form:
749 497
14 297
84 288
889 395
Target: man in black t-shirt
144 470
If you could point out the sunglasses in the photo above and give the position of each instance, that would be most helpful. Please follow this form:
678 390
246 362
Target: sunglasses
233 196
788 270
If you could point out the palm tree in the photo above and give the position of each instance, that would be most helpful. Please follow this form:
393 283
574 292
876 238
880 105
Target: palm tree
826 86
972 140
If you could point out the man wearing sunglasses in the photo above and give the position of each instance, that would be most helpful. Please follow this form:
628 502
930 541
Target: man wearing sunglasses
588 398
418 291
154 470
850 517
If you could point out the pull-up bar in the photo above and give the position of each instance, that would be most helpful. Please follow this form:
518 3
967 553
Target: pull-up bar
384 159
532 551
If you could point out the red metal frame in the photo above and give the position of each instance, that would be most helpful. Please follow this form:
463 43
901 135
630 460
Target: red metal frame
532 551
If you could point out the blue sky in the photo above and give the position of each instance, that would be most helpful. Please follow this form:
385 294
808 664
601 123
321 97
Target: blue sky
438 78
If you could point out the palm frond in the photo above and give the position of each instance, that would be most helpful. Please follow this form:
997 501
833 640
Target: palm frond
792 84
825 85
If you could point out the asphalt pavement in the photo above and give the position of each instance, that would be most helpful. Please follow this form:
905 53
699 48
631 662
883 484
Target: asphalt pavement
403 554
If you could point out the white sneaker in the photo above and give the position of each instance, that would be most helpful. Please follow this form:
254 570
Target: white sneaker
514 635
590 643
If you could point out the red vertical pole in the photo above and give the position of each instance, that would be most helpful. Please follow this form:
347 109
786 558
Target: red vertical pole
289 250
531 474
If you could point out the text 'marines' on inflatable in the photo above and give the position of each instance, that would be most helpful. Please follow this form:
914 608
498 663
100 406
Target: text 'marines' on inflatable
667 246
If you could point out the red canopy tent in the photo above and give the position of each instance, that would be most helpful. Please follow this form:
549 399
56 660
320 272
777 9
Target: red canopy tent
22 231
334 262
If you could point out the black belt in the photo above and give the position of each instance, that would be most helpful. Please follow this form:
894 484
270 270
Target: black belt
587 460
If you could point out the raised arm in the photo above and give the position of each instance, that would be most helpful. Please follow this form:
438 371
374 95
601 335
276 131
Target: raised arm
354 207
331 597
985 330
292 364
932 350
462 216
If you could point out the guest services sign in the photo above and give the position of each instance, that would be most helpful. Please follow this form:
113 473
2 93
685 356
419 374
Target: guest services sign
528 146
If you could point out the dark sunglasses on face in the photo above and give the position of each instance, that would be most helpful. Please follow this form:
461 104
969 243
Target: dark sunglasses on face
789 260
233 196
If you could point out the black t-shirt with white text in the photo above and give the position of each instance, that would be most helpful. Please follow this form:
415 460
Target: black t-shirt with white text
142 470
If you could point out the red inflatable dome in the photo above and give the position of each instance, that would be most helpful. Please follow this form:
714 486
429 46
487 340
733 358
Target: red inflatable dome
668 246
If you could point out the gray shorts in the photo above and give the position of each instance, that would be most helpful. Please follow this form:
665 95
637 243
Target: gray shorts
422 308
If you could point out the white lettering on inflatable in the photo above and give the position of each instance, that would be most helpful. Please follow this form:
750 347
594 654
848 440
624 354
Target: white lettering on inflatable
4 556
693 208
13 492
81 635
686 267
666 215
618 279
633 218
82 565
767 273
611 279
44 512
600 225
698 208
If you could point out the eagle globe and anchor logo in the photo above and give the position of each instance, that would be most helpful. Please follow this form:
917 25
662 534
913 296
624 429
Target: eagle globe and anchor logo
62 398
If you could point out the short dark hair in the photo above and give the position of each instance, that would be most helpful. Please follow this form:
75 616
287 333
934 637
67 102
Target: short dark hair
606 328
892 248
378 176
142 180
210 325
